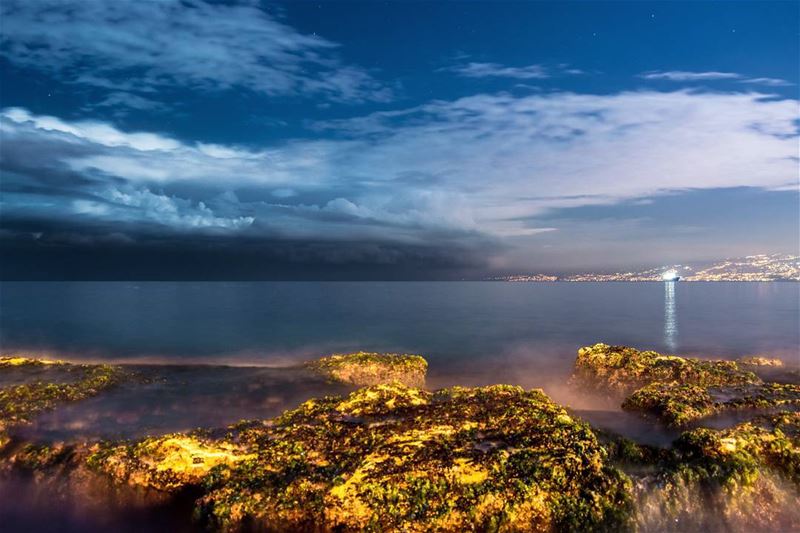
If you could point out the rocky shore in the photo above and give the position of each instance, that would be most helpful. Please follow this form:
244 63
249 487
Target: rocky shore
393 456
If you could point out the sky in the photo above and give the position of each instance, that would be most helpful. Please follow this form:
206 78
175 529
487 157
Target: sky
184 139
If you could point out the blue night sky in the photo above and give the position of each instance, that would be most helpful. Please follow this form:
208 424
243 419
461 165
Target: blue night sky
393 140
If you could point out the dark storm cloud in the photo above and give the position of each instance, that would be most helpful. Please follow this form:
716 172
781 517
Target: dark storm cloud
40 249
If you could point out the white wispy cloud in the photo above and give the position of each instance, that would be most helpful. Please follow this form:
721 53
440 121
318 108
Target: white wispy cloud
683 75
771 82
496 70
486 165
130 45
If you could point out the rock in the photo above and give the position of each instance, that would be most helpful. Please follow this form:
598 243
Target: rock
744 478
620 370
19 404
366 368
676 390
389 457
757 360
677 405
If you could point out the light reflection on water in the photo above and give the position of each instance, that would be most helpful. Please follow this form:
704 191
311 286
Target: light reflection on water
670 317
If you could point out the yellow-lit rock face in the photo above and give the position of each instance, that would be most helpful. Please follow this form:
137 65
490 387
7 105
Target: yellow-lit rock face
389 457
367 368
676 390
621 370
23 361
758 360
168 462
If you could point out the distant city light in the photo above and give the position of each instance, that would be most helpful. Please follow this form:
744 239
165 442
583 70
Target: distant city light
670 275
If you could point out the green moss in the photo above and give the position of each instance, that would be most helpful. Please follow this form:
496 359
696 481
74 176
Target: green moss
390 457
19 404
677 405
621 370
366 368
758 360
676 390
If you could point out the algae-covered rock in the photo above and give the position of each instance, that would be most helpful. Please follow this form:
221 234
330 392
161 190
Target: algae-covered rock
621 370
168 462
677 404
676 390
759 360
390 457
745 478
26 361
20 403
367 368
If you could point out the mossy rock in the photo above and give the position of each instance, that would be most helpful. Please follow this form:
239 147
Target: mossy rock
394 458
26 361
620 370
168 462
759 360
676 390
745 478
19 404
676 404
367 368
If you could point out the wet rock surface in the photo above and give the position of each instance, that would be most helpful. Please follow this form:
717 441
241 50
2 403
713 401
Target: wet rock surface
368 368
740 478
42 391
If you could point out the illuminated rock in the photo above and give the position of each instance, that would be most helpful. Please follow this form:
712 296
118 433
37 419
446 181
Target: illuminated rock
390 457
367 368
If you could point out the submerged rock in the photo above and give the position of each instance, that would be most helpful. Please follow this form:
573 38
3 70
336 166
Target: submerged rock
399 458
745 478
25 361
389 457
168 462
367 368
20 403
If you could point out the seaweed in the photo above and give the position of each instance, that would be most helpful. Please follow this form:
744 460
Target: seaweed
20 404
390 457
368 368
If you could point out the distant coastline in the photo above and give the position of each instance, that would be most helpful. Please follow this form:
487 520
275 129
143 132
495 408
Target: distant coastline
755 268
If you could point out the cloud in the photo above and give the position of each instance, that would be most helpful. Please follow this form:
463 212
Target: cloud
479 169
772 82
495 70
682 75
141 47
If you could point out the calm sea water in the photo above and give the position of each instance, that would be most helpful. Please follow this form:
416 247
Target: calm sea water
496 330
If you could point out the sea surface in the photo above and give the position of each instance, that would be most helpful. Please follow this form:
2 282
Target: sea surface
492 328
